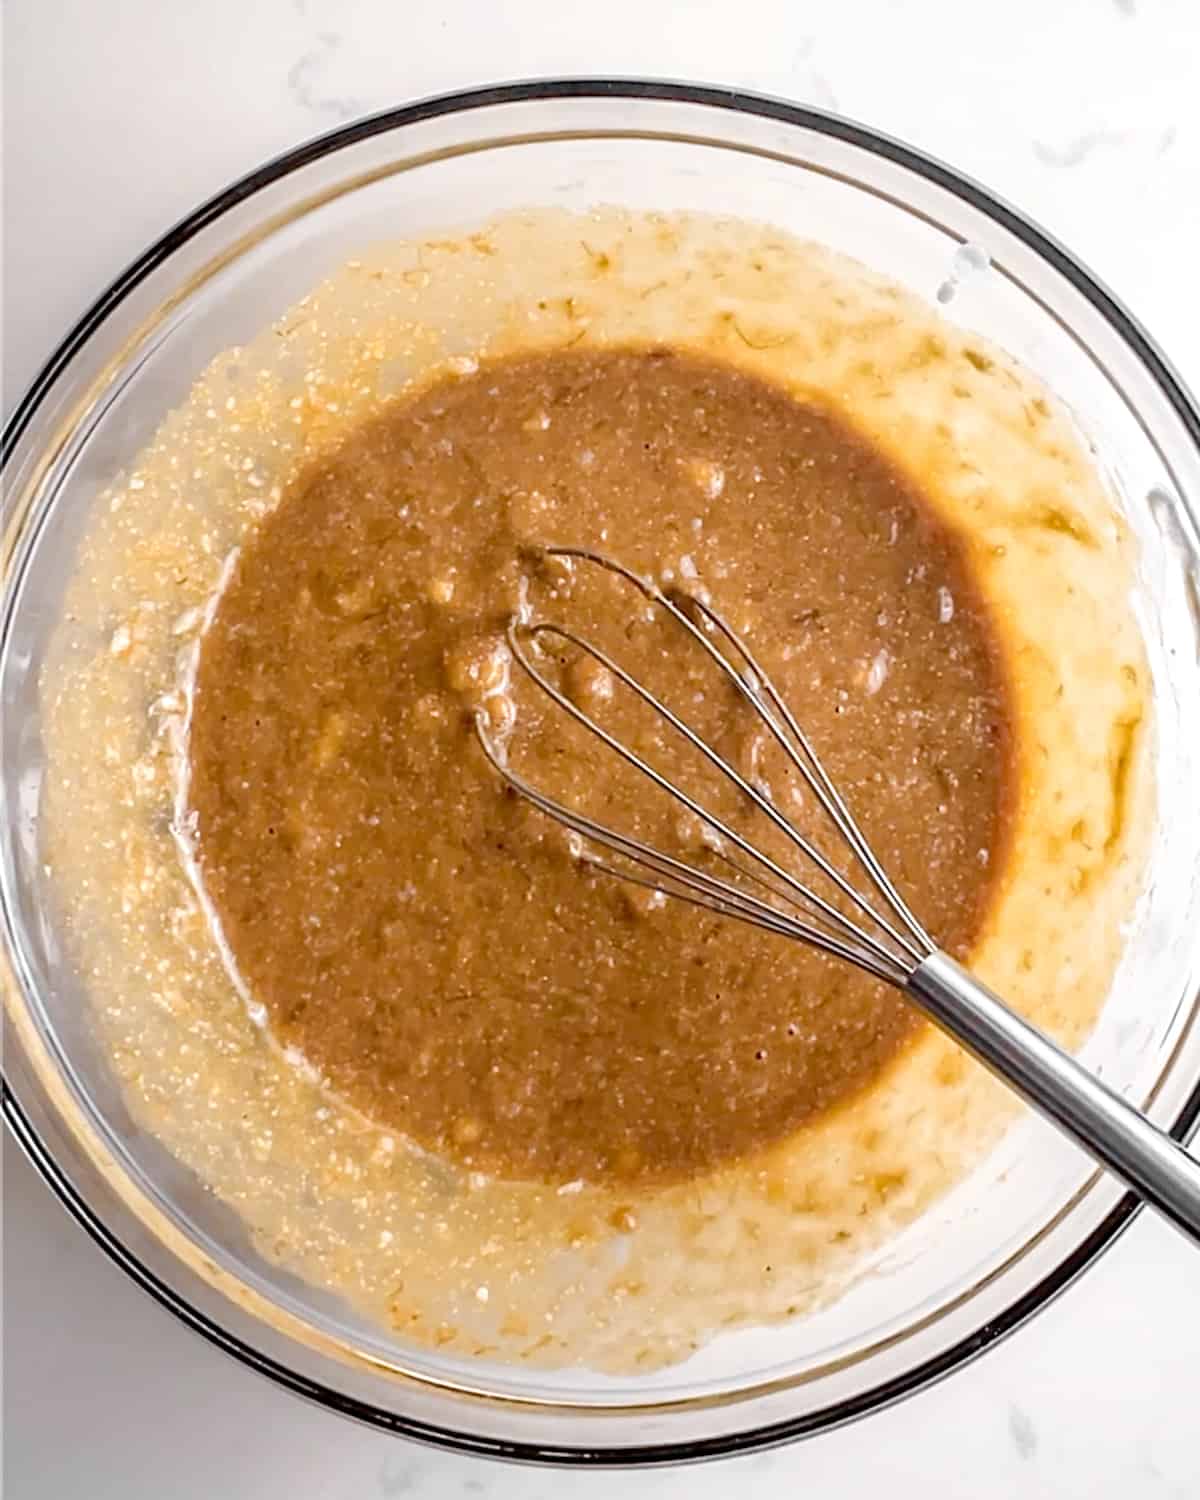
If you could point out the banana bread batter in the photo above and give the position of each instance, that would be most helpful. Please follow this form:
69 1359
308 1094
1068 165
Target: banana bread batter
432 945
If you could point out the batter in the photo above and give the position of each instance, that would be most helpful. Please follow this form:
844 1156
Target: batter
430 944
808 369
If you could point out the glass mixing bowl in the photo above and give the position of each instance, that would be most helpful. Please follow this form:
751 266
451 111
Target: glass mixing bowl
1033 1216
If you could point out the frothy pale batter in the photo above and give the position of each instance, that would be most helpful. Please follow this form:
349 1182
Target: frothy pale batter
428 942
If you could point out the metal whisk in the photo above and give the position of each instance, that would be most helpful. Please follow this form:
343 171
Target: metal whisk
880 935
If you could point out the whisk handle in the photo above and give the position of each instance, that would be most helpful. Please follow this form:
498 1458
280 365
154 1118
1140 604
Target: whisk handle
1144 1157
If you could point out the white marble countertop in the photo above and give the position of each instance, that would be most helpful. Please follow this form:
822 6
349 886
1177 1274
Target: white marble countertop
119 117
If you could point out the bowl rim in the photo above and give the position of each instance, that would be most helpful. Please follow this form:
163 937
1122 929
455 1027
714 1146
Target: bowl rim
738 101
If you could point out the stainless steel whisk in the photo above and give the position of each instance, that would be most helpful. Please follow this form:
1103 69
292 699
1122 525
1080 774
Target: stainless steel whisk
883 936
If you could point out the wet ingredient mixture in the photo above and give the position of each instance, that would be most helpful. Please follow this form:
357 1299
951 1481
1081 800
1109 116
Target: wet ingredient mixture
429 943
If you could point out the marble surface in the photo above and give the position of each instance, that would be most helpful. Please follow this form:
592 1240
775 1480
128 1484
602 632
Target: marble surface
117 119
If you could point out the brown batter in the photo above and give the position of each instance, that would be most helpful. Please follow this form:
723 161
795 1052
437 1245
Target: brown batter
430 943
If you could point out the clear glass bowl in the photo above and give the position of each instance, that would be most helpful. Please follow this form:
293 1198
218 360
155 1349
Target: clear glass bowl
1024 1225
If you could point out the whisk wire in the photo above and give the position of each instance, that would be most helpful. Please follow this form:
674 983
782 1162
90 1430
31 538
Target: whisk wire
811 768
888 953
684 882
810 899
807 762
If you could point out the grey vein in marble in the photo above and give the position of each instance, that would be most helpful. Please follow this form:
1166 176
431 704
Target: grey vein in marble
1078 149
1023 1432
811 84
303 79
